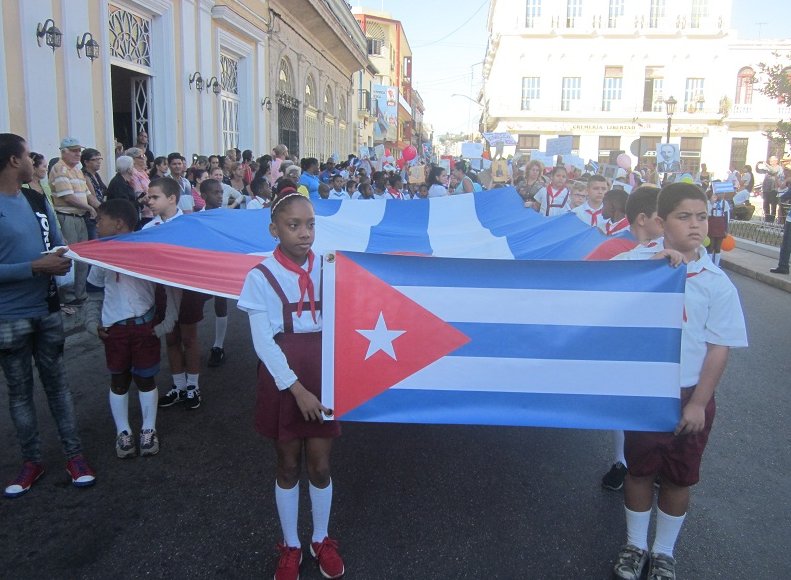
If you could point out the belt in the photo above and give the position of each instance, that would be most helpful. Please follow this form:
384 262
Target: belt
82 215
137 320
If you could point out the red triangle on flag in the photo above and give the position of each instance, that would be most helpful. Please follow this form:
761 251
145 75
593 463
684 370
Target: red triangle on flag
364 306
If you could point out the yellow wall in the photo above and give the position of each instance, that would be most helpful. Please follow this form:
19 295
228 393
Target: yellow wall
16 85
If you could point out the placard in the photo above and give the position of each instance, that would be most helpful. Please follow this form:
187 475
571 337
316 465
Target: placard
500 138
471 150
560 146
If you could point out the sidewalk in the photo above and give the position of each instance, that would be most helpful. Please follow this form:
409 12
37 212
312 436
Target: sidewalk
754 265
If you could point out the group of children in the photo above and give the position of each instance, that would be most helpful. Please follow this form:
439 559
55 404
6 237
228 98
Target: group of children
282 297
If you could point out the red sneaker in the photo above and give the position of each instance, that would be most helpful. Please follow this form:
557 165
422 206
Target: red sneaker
288 565
326 553
80 472
31 472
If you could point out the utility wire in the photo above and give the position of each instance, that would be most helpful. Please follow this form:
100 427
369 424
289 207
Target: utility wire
455 30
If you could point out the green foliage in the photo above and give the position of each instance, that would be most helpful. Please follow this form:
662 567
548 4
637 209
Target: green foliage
774 80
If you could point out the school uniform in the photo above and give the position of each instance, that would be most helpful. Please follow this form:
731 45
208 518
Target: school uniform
712 314
286 331
553 202
336 194
191 304
588 215
610 228
128 315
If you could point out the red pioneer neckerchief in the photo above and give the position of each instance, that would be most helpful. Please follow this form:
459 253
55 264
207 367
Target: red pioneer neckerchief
305 282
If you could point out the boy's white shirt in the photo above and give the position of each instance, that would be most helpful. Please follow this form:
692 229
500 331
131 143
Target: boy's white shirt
712 313
159 221
582 213
124 296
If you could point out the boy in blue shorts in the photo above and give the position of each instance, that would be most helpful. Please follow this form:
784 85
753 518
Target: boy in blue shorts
121 313
713 323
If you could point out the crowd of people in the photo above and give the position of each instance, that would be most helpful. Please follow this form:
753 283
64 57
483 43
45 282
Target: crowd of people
70 203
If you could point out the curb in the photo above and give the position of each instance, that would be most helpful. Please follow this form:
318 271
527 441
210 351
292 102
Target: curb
770 280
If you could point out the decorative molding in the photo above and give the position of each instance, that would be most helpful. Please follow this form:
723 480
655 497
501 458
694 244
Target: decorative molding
226 15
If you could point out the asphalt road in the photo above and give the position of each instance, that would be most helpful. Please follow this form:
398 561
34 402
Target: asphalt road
411 501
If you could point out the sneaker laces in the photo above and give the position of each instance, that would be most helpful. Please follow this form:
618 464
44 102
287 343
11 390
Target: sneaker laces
289 557
125 439
146 437
630 556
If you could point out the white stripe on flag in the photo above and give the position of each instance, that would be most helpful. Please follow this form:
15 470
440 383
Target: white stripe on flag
566 377
455 230
559 307
350 227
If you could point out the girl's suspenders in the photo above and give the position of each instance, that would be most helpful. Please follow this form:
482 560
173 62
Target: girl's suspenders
289 308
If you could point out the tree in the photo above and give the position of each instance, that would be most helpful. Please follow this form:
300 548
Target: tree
774 81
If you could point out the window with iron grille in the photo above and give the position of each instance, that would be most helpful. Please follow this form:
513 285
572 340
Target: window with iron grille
229 74
531 91
532 13
375 46
571 93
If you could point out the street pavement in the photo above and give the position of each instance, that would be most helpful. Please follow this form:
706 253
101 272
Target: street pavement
423 502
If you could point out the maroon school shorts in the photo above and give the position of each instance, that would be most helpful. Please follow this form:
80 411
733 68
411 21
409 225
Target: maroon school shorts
675 458
132 348
191 310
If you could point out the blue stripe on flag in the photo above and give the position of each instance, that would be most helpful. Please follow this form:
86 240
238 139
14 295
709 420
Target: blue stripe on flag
404 228
613 276
531 236
600 343
520 409
327 207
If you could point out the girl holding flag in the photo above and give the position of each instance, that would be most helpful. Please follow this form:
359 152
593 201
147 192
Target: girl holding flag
282 298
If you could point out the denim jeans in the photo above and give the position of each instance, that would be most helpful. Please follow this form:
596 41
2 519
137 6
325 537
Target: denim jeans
785 247
42 339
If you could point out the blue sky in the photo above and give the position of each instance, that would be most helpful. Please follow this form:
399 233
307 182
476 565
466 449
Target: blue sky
444 66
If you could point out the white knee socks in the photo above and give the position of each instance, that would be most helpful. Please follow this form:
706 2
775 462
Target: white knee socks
667 529
287 501
321 503
148 407
220 327
617 440
637 528
119 406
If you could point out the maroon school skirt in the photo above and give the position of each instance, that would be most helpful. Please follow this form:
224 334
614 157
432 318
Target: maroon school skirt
277 415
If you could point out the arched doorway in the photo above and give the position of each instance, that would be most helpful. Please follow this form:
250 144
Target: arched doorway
311 119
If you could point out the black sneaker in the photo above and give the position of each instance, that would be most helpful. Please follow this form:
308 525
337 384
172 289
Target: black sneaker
172 397
613 479
192 399
779 270
216 356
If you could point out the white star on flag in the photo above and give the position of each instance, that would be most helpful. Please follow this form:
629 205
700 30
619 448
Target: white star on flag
381 338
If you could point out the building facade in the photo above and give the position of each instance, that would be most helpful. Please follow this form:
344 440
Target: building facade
199 76
389 53
601 71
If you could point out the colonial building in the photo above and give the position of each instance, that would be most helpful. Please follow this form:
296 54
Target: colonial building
389 52
200 76
602 70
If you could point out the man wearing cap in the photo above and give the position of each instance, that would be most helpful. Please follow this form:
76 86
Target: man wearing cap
73 202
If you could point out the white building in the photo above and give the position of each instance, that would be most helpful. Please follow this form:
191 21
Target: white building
200 76
600 70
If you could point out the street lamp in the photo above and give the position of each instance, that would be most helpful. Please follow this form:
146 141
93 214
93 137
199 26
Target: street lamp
50 33
670 107
468 98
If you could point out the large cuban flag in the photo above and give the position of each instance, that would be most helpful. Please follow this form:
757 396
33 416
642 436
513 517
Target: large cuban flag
495 342
213 251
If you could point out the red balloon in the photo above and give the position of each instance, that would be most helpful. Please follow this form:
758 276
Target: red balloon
400 163
728 243
409 153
